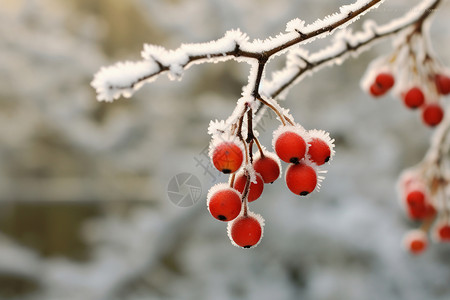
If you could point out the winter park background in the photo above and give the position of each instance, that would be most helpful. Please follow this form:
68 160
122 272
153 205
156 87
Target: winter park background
84 206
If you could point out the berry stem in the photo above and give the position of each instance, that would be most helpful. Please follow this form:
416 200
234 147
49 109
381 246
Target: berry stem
233 128
232 178
280 116
259 147
250 150
239 126
250 135
289 120
245 192
442 196
259 75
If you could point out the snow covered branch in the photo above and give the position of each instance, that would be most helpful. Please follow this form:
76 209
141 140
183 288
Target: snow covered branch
124 78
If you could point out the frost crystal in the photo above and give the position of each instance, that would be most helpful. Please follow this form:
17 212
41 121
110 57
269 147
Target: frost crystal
122 78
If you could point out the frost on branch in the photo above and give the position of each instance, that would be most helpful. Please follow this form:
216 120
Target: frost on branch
234 45
123 78
126 78
346 43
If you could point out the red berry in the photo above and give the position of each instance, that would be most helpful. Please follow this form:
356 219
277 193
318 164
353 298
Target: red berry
417 246
376 91
415 241
385 81
268 167
246 231
415 197
319 151
442 84
227 157
416 204
289 144
414 98
224 203
255 189
430 211
432 114
301 178
443 232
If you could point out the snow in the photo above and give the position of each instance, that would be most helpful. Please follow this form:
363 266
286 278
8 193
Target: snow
296 25
252 173
405 19
320 24
122 79
297 129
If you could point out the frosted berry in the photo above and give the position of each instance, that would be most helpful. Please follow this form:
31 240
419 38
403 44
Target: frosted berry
224 203
289 145
319 151
415 241
255 189
382 84
432 114
443 232
416 204
385 81
430 211
246 231
268 167
376 91
414 98
409 179
301 178
442 84
227 157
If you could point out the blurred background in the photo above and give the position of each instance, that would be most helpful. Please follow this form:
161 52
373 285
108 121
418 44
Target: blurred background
85 205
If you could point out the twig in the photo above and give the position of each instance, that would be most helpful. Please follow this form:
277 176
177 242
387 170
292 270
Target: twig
125 78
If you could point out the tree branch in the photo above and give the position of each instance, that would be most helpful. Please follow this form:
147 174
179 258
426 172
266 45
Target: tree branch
125 78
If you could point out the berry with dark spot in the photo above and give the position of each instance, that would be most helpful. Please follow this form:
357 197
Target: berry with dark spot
246 231
301 178
227 157
224 203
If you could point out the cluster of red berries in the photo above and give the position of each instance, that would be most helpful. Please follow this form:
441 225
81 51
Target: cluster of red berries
304 151
420 204
414 96
421 82
231 154
419 79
